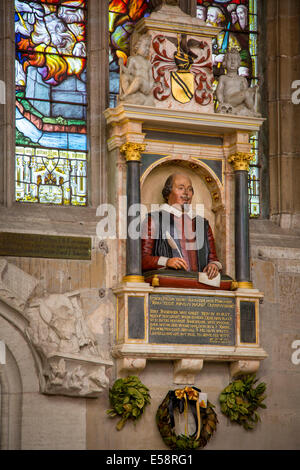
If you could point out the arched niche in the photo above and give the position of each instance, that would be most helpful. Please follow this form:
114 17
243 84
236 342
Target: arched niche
10 403
208 190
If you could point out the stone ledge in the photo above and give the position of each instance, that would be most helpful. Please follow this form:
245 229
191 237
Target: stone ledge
170 352
187 360
160 118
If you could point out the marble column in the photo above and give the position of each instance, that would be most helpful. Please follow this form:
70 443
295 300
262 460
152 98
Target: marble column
240 162
132 152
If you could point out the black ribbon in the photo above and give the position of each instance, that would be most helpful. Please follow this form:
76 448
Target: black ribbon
175 402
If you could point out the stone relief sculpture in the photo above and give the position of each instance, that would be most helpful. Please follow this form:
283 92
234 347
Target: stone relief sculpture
233 92
136 81
57 324
68 357
15 286
59 332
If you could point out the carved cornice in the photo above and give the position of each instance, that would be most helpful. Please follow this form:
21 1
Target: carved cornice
241 161
132 151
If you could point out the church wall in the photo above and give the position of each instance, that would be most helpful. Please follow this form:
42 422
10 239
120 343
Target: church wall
30 420
58 422
276 270
282 70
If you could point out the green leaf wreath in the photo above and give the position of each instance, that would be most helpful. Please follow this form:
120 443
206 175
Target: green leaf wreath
166 424
128 398
240 400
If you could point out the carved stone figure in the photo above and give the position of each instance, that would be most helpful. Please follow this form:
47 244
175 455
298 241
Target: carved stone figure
72 363
68 357
57 325
233 92
136 81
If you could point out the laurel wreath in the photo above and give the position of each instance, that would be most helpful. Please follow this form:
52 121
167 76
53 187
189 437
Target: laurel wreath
166 425
128 398
240 400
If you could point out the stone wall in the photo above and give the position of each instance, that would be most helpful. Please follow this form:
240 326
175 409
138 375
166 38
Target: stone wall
275 265
39 421
282 69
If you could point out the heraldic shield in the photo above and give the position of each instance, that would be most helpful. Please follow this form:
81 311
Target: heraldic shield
182 85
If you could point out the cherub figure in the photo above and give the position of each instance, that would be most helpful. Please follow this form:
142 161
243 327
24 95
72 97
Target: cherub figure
136 81
233 92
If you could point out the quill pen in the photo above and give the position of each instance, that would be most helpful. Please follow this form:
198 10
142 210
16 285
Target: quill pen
173 244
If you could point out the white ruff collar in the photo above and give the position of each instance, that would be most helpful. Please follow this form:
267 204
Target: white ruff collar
177 212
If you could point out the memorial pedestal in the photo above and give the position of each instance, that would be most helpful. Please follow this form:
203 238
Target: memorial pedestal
224 325
189 327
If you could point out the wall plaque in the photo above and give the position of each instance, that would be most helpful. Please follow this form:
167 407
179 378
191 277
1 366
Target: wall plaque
191 319
136 321
44 246
248 322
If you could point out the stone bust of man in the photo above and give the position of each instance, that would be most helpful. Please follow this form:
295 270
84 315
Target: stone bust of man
174 238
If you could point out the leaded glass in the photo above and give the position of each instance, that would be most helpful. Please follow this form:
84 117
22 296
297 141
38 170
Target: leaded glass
254 179
51 101
123 15
238 18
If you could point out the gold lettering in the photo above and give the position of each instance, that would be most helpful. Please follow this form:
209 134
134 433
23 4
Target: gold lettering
207 320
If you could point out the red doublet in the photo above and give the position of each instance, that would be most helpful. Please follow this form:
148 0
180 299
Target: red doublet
186 227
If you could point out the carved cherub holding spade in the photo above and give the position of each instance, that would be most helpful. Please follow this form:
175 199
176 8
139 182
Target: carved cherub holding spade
136 81
233 92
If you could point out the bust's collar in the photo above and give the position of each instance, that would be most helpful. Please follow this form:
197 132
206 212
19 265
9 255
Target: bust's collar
178 213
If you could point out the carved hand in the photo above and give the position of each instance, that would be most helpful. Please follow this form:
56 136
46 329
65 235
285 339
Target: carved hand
177 263
212 270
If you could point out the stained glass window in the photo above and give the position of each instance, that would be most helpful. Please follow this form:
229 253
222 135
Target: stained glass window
51 101
254 180
238 18
123 15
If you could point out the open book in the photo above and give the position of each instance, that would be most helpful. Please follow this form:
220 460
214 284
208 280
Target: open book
203 278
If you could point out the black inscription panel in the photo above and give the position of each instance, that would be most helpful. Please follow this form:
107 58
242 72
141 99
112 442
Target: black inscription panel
248 322
136 317
190 319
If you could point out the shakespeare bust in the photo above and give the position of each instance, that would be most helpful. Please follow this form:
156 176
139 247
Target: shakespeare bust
174 238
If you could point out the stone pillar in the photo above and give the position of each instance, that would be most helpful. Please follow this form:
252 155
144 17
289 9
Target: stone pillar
240 161
283 110
133 244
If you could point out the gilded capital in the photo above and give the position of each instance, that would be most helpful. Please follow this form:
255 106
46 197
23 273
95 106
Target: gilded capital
241 160
132 151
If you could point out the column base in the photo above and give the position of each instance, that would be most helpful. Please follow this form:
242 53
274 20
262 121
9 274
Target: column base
244 285
133 278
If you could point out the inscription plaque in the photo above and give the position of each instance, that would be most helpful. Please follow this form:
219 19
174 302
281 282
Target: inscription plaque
191 319
44 246
248 322
136 321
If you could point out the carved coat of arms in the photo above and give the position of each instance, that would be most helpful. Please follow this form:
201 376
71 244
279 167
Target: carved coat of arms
185 71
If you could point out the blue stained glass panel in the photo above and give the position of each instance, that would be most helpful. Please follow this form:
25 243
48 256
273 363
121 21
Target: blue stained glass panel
51 101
